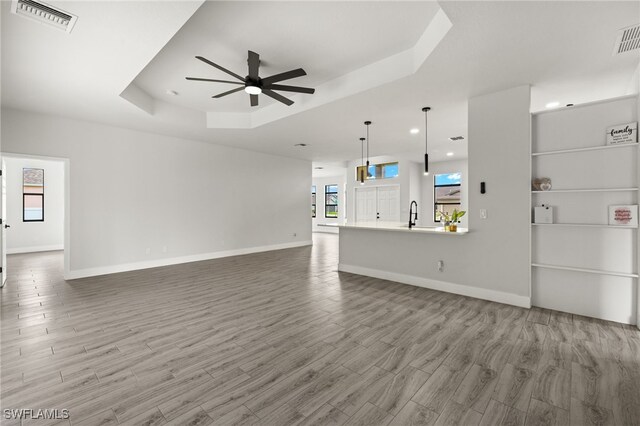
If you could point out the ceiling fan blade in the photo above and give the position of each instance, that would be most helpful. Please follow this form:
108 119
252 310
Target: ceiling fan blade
206 61
291 88
277 97
254 64
254 100
215 81
228 93
284 76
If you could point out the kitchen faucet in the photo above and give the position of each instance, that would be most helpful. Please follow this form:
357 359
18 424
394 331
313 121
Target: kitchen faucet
413 216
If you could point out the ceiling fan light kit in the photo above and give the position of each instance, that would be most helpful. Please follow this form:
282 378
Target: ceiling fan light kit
253 90
254 84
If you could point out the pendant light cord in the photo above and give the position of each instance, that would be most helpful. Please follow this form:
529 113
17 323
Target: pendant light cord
367 123
426 131
367 145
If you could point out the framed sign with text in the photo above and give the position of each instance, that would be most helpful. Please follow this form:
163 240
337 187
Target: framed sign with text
622 134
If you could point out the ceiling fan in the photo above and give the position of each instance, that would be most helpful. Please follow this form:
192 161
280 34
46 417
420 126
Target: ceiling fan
254 85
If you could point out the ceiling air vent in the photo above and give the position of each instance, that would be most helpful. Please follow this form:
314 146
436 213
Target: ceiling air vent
628 39
44 13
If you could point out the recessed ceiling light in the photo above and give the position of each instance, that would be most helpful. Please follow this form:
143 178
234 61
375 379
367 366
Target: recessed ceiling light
171 92
301 144
552 105
414 131
449 154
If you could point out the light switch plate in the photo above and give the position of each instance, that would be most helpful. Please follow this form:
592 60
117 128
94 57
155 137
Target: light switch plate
483 213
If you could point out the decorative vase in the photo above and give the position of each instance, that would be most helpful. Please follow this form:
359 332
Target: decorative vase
453 227
447 226
541 184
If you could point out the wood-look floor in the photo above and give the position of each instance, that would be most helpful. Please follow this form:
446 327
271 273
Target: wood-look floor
281 338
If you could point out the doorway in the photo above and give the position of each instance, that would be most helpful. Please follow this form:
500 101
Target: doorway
34 207
378 203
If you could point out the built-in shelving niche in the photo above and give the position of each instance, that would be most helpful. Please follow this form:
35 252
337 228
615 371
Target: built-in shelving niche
580 263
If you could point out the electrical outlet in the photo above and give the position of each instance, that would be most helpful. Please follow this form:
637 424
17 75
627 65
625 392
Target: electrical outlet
440 265
483 213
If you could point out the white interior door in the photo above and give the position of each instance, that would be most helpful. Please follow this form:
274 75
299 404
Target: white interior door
378 203
3 229
366 204
389 203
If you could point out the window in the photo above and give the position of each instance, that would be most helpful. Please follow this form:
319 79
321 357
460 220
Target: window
446 193
313 201
379 171
32 195
331 201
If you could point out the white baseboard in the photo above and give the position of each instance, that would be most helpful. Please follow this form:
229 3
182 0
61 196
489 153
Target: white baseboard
125 267
477 292
35 249
326 230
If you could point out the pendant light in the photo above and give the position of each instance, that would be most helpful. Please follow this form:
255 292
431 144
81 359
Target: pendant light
426 141
367 123
361 171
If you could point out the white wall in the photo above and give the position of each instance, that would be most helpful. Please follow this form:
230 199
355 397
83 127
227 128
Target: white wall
416 173
140 200
25 237
492 260
320 183
444 167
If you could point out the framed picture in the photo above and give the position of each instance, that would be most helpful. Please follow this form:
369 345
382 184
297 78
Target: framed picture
623 215
622 134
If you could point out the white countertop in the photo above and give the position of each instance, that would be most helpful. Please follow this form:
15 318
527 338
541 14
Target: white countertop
402 227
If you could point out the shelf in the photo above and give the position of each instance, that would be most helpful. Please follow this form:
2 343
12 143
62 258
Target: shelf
561 109
588 271
586 225
592 148
586 190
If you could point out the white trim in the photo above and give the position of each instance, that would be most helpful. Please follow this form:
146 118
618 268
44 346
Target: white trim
479 293
388 69
586 271
585 104
589 148
325 230
124 267
35 249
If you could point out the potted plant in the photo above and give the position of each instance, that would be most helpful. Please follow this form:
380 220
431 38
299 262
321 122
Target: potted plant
451 221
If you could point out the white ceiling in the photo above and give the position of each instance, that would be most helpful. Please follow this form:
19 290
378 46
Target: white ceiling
326 39
563 49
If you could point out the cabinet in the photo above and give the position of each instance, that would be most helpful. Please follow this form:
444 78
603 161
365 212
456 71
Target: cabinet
580 263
